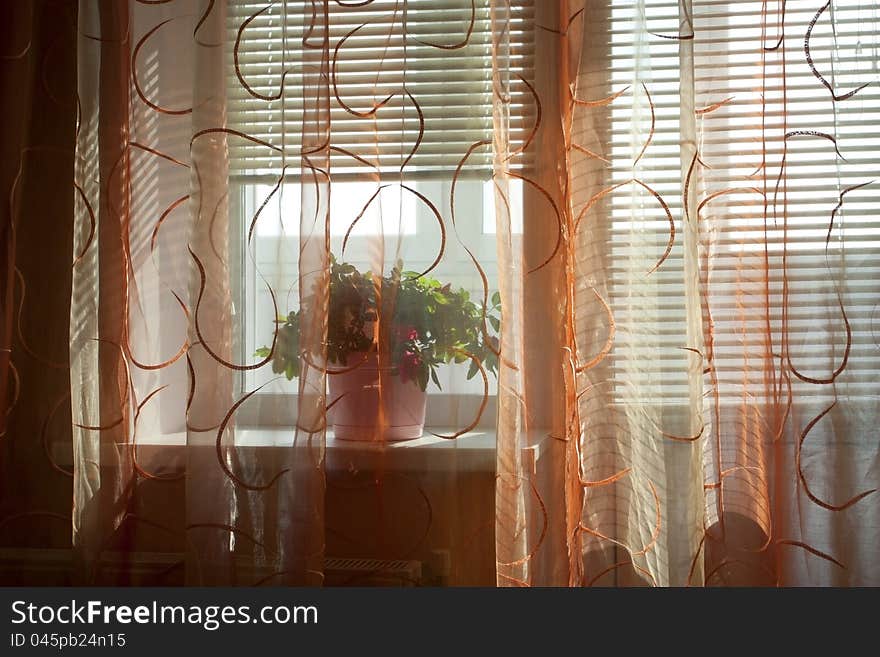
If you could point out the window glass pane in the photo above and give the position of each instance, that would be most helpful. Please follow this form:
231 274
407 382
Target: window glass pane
390 212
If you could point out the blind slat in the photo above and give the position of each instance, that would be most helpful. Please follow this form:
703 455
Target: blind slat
767 99
453 88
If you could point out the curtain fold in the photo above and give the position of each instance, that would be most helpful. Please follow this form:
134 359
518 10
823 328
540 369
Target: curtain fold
623 253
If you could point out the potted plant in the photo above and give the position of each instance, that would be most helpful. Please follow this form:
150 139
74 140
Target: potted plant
385 340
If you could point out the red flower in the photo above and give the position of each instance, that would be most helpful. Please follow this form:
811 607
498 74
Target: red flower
406 333
409 365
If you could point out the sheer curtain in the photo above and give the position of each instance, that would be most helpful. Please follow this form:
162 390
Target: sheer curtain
713 171
208 138
674 201
156 361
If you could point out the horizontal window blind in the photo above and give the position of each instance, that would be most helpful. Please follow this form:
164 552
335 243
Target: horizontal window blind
378 49
779 151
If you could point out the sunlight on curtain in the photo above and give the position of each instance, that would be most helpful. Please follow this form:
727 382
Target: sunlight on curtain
251 172
627 250
723 257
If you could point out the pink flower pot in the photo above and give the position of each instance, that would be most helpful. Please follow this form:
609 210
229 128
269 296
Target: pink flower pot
364 409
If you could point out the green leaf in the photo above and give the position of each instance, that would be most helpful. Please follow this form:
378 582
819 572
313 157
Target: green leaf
444 317
472 371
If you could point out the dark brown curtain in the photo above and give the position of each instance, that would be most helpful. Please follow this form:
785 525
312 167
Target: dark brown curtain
39 109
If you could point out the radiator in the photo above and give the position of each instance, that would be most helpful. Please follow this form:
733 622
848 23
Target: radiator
41 567
340 571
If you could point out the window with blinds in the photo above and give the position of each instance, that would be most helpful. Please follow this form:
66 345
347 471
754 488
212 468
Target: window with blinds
378 49
797 170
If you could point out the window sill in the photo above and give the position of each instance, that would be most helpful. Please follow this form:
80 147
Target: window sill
471 452
272 410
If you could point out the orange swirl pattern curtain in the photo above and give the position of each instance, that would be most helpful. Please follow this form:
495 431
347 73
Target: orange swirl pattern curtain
671 204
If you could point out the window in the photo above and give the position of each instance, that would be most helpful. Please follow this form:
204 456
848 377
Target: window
794 121
449 90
